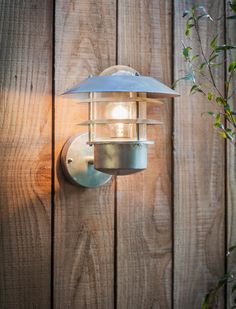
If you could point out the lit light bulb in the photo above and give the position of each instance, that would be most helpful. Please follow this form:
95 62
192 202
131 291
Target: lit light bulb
119 110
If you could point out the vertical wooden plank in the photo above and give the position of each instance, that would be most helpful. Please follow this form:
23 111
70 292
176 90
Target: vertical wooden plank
198 179
25 153
84 218
144 200
231 160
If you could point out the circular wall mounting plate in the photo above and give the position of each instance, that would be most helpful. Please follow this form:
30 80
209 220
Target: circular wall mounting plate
77 163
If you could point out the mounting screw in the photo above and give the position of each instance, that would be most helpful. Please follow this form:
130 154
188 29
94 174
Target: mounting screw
69 161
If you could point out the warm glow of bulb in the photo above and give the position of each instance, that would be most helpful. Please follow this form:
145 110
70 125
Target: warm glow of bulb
119 112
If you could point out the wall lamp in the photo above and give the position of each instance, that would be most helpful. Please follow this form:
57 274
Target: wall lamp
116 142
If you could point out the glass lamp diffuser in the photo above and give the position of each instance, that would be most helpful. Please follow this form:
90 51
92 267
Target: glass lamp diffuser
117 122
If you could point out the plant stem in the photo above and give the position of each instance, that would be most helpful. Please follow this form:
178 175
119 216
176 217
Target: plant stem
204 56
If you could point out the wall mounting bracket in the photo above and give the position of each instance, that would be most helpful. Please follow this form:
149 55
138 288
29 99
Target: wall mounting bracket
77 163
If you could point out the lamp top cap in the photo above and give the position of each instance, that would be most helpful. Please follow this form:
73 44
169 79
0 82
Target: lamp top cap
122 79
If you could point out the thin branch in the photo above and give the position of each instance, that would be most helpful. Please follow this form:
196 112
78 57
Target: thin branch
205 58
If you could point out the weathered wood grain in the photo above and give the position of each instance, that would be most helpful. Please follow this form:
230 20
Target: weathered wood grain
144 199
84 218
199 182
25 153
231 161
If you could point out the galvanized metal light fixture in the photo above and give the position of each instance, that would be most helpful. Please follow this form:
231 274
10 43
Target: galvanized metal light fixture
116 142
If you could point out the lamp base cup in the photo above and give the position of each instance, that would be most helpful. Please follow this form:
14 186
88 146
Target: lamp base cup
120 159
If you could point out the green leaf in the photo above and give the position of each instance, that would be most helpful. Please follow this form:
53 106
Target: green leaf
203 15
213 42
188 76
206 301
231 249
187 31
186 52
230 137
232 66
227 108
189 25
190 18
224 47
217 123
233 6
185 13
220 100
213 57
223 280
217 119
211 113
229 130
194 57
218 126
201 66
223 134
210 96
195 88
203 9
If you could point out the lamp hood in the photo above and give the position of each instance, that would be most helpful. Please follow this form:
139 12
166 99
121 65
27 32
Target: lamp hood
122 83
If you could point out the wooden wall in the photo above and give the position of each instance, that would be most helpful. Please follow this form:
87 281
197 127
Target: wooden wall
156 239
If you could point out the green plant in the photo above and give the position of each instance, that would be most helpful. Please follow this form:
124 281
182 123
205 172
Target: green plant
201 63
228 278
